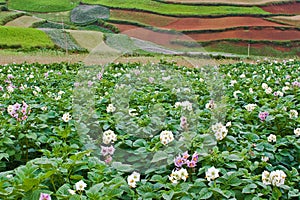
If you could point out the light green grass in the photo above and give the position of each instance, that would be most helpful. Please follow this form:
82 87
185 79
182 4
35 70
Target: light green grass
43 5
2 1
24 38
179 10
56 17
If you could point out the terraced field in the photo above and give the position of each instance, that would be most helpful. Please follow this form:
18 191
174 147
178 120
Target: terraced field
230 2
24 21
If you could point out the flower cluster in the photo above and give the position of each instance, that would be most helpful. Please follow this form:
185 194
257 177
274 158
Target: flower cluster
18 111
183 122
220 130
210 105
110 108
66 117
212 173
183 160
109 137
132 179
178 175
186 105
276 178
44 196
107 152
250 107
293 114
263 116
79 187
166 137
272 138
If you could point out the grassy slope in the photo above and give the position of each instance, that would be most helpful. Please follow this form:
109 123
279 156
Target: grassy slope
43 5
5 15
25 38
180 10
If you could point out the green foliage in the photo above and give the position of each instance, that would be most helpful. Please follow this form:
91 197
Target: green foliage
45 154
86 14
42 5
24 38
177 9
95 28
120 42
64 40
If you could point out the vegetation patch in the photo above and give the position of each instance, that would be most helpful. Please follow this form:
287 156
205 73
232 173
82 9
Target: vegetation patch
177 10
226 132
7 16
43 5
86 14
120 42
63 39
226 2
24 21
24 38
58 17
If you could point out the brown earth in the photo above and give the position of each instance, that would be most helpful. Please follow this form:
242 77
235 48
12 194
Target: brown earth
269 34
233 2
219 23
190 23
165 39
289 8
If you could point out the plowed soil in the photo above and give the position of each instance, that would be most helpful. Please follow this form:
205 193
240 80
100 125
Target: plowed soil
289 8
219 23
190 23
270 34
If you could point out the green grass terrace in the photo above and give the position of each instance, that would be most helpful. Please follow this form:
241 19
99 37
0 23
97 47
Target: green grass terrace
177 9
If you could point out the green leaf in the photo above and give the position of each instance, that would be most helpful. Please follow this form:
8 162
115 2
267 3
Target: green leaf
158 156
205 193
122 167
235 157
168 196
249 188
276 194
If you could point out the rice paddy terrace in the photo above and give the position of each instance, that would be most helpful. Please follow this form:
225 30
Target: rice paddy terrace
268 27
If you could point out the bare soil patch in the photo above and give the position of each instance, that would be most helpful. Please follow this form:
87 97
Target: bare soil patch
165 39
289 8
269 34
190 23
219 23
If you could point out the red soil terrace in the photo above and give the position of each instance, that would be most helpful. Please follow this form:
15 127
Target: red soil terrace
289 8
218 23
191 23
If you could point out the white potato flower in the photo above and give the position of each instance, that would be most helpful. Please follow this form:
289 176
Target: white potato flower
66 117
272 138
250 107
109 136
110 108
166 137
297 132
80 185
211 174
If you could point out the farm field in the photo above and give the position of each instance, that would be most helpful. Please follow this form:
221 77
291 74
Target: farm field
187 23
292 8
178 10
42 5
16 37
238 144
294 20
24 21
230 2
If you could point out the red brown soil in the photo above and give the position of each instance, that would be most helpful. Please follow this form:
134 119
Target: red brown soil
219 23
269 34
290 8
165 39
190 23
